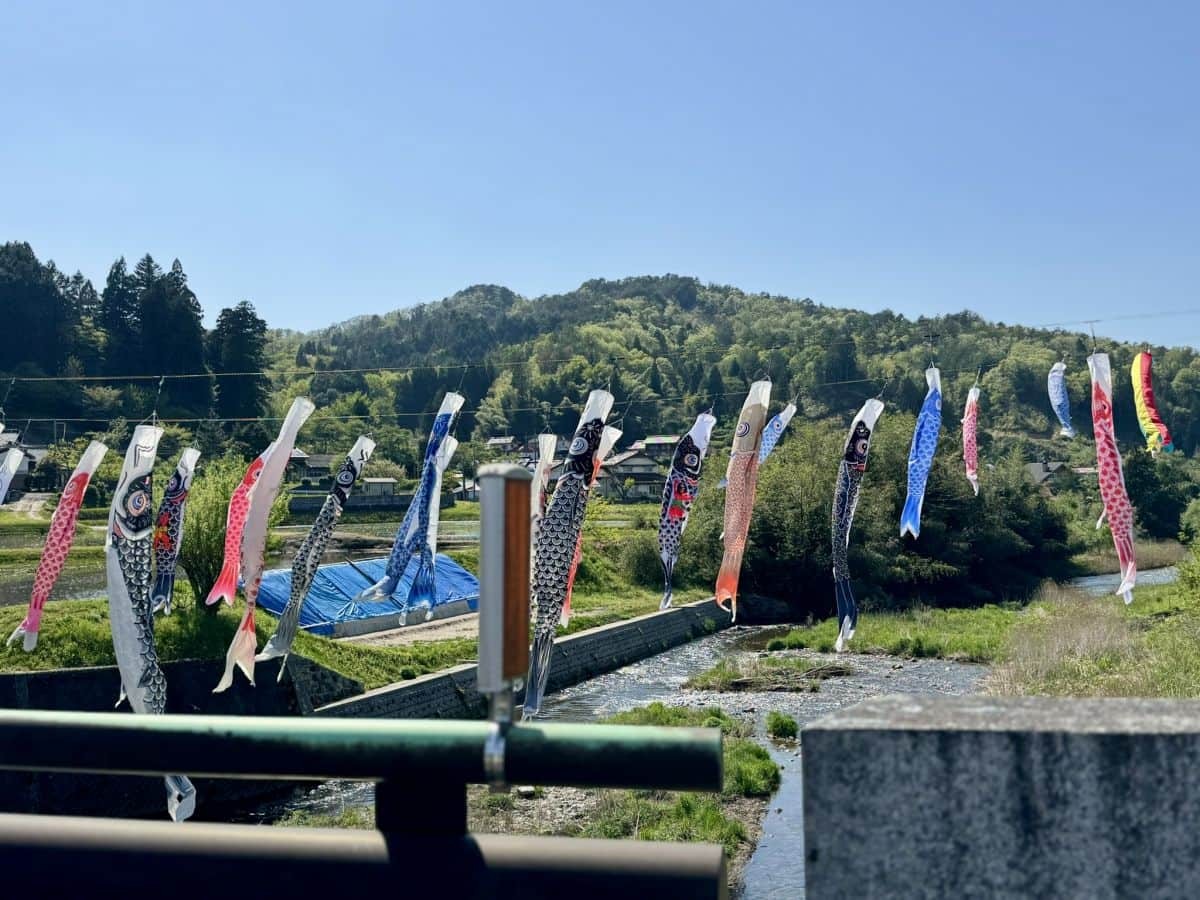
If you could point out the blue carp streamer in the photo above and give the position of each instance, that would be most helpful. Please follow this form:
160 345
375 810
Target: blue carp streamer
920 455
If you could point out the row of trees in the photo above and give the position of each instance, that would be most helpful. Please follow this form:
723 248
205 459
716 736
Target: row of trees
113 343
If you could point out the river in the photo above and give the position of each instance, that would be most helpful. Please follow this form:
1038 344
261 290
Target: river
776 868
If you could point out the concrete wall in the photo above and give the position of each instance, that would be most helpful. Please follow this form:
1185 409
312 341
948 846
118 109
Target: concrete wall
305 685
1015 797
452 695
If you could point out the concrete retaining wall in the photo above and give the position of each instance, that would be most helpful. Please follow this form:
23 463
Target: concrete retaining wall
305 686
1016 797
452 695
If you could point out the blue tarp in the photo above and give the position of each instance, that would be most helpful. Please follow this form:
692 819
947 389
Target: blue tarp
329 596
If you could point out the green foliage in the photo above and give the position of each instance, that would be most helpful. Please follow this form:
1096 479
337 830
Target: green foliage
203 549
969 635
640 560
676 818
781 725
1189 522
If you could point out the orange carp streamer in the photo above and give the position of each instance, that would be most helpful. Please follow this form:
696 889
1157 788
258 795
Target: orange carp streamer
742 479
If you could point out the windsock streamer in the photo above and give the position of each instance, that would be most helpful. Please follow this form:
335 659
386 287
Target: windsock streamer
417 535
608 440
741 478
168 530
58 543
539 491
9 463
1156 434
308 558
920 454
845 500
1056 387
679 493
127 556
254 541
970 424
558 540
1117 508
774 431
225 587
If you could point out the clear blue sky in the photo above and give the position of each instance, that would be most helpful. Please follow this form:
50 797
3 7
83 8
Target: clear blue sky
1034 162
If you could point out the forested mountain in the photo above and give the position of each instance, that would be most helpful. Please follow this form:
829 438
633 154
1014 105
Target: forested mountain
669 347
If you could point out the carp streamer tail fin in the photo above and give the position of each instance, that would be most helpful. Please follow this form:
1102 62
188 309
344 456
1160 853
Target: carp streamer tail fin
241 652
847 613
226 586
181 797
1124 545
378 592
160 598
422 591
1067 431
727 581
539 672
910 519
668 592
26 630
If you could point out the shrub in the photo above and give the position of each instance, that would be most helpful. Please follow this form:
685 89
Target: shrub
781 725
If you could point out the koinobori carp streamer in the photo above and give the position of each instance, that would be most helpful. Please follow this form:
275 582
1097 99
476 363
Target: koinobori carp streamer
920 454
58 543
1117 508
168 530
970 424
741 481
851 469
1056 387
679 493
308 557
244 645
558 539
1158 439
127 558
417 535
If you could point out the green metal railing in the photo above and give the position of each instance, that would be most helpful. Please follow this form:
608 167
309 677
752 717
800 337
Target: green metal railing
421 770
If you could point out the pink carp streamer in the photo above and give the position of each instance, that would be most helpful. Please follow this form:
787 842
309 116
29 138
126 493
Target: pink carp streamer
970 424
741 479
244 646
235 520
1117 507
58 543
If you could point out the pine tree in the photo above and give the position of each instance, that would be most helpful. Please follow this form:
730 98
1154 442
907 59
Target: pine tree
238 344
147 273
172 337
119 319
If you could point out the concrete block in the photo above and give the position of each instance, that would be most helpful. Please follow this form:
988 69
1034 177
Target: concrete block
930 796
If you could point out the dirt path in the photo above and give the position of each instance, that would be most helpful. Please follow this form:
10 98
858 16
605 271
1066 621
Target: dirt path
443 629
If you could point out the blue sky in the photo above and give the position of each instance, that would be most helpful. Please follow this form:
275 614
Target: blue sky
1033 162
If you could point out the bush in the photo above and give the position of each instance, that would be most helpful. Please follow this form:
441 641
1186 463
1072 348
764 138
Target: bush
640 561
781 725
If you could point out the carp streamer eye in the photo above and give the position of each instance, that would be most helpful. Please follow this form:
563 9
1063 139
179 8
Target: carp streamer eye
743 429
691 460
578 446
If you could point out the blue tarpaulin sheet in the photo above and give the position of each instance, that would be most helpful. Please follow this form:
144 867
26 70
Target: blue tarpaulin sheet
328 600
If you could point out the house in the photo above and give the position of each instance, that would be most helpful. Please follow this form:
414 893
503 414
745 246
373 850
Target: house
303 466
378 487
628 475
659 447
1041 472
25 478
502 444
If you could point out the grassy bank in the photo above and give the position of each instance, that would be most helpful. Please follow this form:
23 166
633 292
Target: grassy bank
1064 643
1150 555
76 633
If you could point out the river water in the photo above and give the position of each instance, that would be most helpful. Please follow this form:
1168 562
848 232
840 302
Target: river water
776 868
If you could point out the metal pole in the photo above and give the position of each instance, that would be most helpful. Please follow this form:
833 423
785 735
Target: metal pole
288 748
66 855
